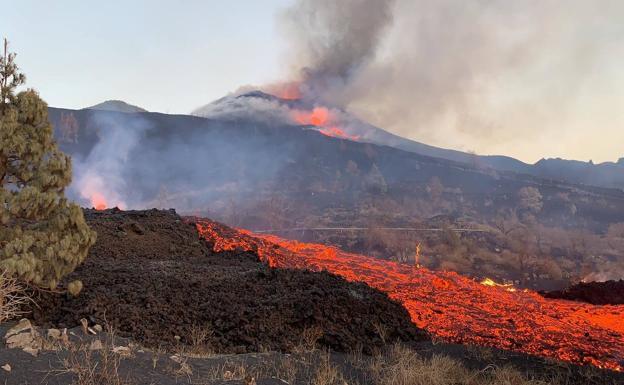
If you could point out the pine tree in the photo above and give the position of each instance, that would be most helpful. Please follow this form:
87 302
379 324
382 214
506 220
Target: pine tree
43 237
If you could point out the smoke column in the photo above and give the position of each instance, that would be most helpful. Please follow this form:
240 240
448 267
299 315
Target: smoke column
100 179
331 41
529 79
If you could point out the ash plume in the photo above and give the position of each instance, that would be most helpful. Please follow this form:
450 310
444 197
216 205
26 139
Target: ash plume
489 76
331 41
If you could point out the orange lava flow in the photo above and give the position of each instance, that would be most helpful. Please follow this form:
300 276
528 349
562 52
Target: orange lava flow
452 307
338 133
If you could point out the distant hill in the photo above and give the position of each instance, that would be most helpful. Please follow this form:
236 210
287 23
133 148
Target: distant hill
116 105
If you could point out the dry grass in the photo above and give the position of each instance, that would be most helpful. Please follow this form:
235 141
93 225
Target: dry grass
398 365
232 371
199 343
90 368
94 367
482 353
403 366
12 297
327 373
309 340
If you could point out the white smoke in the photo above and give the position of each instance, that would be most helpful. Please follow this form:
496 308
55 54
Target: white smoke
99 179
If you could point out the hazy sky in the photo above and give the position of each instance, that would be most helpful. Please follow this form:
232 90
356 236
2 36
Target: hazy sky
528 78
166 56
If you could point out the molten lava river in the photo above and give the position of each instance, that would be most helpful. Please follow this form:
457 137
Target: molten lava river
452 307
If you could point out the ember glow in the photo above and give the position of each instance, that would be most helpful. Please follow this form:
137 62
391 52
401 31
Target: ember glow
318 117
338 133
322 118
287 91
98 201
452 307
490 282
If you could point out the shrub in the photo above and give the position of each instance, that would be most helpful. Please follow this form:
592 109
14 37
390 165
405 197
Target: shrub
12 297
43 237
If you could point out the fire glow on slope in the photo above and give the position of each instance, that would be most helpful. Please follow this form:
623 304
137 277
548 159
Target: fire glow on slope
454 307
322 118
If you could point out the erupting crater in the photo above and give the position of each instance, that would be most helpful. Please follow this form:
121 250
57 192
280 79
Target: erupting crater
319 116
452 307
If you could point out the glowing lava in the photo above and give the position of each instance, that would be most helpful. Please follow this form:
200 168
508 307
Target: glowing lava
322 118
490 282
318 117
98 201
337 133
452 307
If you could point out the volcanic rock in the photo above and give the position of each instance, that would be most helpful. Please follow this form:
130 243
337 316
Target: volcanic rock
54 334
597 293
96 345
24 336
165 283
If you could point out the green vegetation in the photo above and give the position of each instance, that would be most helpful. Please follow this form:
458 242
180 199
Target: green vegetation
43 237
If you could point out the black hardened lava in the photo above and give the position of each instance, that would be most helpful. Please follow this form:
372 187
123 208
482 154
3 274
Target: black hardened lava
151 278
597 293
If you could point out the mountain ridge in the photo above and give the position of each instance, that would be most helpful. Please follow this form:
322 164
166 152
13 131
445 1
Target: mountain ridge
605 174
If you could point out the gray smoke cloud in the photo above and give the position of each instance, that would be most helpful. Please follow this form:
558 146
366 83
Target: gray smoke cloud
331 41
523 78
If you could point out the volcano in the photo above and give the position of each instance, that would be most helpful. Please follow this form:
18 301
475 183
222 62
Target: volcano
265 105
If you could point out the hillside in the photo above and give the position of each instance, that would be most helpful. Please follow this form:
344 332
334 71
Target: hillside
116 105
245 161
266 106
264 175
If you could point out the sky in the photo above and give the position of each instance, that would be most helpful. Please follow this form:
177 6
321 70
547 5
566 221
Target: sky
529 79
165 56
